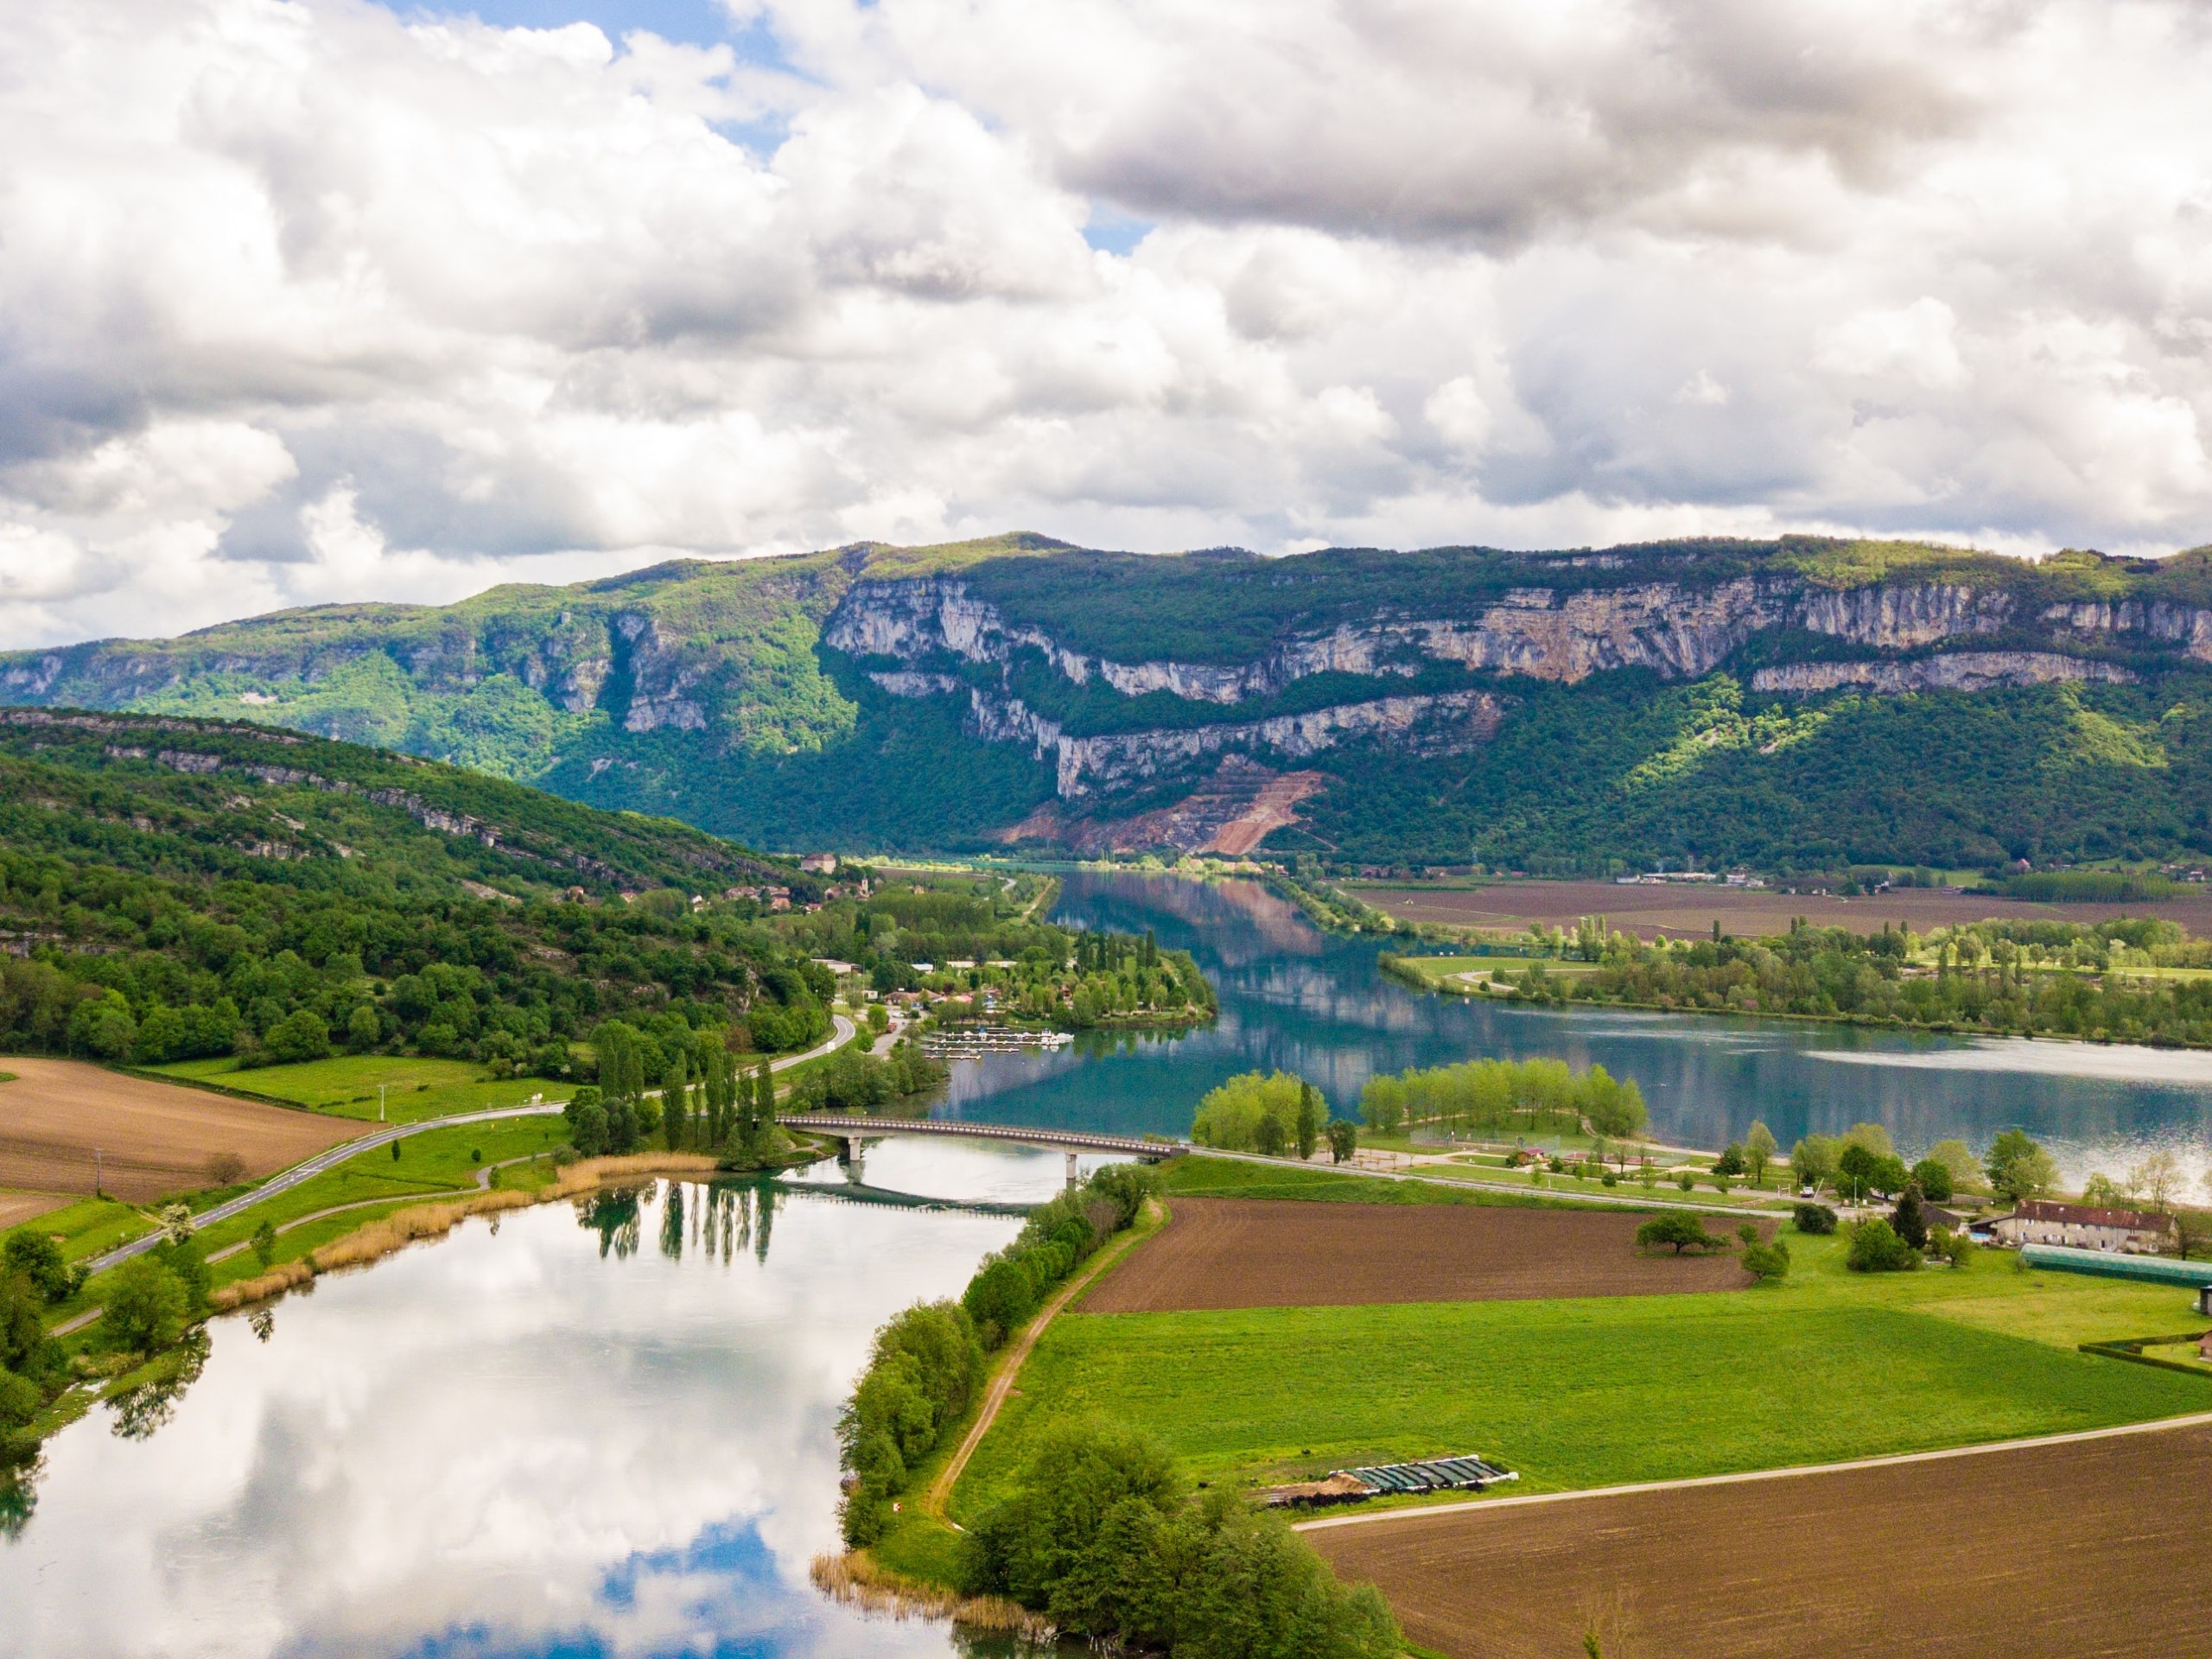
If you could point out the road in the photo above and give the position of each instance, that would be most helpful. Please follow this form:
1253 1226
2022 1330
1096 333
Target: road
842 1032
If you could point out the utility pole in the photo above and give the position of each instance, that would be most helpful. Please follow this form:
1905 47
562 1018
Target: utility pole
97 1174
380 1089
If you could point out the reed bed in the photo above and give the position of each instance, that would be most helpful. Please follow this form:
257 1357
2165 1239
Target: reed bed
377 1239
856 1579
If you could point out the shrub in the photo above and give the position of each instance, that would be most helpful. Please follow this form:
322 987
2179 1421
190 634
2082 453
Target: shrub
1680 1231
1767 1261
1687 1179
1814 1218
1876 1248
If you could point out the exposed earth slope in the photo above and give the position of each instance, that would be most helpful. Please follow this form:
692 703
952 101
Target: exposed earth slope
1803 701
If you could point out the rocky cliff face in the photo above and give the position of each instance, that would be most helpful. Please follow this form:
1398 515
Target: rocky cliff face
1961 671
1677 629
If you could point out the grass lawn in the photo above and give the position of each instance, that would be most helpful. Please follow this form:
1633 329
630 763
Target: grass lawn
1200 1177
1828 1365
91 1225
437 1160
346 1086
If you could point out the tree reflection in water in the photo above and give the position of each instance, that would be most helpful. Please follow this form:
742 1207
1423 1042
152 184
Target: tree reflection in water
142 1409
720 1218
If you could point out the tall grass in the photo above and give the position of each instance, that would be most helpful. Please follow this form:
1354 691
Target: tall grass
858 1580
377 1239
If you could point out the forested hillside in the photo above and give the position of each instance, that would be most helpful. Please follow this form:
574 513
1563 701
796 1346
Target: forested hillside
171 889
1800 702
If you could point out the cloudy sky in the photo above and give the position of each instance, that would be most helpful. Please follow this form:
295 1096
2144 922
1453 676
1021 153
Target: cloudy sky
329 300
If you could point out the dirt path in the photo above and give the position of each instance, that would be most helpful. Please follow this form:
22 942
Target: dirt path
1010 1363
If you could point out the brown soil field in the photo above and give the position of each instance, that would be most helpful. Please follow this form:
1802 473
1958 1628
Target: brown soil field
153 1138
1680 910
1221 1253
16 1207
2096 1547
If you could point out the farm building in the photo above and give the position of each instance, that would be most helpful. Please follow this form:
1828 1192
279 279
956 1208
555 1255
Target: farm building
2043 1221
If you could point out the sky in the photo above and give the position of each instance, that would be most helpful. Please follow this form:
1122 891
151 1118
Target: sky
308 300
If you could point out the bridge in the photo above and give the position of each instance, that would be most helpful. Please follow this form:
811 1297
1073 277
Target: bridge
852 1130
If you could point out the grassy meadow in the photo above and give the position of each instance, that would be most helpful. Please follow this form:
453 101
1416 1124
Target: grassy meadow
1825 1366
347 1085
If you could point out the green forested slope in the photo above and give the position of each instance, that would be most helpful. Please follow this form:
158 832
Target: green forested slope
171 889
706 691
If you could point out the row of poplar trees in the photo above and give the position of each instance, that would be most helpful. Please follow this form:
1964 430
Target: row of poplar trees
706 1104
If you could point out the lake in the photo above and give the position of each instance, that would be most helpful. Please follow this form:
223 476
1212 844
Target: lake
593 1429
1296 999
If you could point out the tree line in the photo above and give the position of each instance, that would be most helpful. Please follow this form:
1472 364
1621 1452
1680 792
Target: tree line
1496 1096
2036 978
927 1360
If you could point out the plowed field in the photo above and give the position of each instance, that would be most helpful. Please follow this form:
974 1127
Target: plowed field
2095 1547
1749 913
16 1207
1223 1253
152 1138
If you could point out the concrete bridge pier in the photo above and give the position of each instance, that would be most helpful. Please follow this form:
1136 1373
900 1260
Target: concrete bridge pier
848 1155
1070 1166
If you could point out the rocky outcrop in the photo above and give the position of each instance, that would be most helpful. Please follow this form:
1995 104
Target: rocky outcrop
1961 671
1088 766
663 679
1677 629
1901 616
2169 624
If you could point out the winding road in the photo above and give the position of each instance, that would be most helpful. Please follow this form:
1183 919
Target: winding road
841 1033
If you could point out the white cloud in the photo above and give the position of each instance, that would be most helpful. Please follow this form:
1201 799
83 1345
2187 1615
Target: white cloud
303 301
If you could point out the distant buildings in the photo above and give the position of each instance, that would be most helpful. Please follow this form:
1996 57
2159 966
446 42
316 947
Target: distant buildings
819 863
2044 1221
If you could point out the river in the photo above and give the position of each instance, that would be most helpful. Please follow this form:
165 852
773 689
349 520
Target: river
609 1428
1297 999
589 1430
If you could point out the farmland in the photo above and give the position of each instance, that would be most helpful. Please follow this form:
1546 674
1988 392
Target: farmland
153 1139
1939 1556
1225 1253
413 1088
1687 910
1596 1391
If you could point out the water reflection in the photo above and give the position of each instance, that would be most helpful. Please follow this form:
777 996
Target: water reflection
546 1441
1295 998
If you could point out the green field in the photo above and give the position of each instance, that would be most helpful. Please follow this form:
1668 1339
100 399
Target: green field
346 1086
1589 1393
434 1162
1198 1176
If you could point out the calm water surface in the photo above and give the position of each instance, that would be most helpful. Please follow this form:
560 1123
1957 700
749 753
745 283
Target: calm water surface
1295 998
598 1430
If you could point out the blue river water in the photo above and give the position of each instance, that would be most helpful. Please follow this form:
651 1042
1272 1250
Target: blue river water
1296 999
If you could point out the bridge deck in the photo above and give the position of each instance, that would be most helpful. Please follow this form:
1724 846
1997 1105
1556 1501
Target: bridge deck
1063 1140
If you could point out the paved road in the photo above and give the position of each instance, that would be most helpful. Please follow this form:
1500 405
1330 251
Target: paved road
383 1134
285 1181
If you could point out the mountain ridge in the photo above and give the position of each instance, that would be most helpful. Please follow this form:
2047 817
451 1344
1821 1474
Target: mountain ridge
940 697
